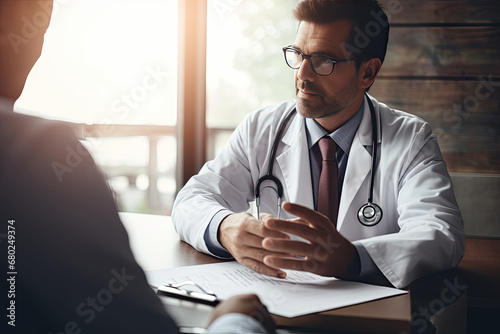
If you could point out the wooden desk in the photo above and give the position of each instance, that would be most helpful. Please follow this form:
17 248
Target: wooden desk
476 278
156 246
480 269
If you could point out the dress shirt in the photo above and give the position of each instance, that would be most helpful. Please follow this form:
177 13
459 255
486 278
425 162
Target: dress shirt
343 137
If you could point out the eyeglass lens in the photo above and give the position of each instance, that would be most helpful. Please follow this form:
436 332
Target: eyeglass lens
320 65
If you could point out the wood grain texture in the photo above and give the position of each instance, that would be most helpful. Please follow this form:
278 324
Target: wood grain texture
465 116
443 65
443 51
447 11
430 96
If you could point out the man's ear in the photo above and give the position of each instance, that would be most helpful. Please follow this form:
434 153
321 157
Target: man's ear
369 71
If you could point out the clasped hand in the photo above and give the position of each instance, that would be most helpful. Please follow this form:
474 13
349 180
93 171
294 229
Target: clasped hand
265 245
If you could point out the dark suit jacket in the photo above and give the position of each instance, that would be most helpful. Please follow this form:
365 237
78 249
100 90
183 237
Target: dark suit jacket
75 269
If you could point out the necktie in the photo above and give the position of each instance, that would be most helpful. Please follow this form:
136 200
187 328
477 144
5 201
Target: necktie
328 196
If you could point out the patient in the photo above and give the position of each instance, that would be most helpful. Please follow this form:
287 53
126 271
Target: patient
74 269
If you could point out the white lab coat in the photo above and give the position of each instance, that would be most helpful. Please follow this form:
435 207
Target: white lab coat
421 231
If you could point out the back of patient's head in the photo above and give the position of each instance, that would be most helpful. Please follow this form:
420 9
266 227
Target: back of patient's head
22 27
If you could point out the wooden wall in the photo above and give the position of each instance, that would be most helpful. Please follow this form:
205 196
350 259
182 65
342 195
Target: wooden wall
443 64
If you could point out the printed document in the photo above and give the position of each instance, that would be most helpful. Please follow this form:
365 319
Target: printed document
298 294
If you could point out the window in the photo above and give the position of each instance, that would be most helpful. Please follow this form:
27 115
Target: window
245 66
107 62
112 67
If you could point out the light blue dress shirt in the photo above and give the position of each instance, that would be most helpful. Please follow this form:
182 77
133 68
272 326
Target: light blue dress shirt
343 137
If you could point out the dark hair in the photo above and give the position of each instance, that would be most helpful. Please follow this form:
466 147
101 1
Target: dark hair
370 33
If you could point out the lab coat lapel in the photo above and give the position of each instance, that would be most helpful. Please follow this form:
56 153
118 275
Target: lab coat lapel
294 164
359 163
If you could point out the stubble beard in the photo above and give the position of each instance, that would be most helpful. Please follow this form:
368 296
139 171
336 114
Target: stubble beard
324 106
315 110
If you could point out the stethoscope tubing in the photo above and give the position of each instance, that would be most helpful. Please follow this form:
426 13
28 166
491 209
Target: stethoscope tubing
370 214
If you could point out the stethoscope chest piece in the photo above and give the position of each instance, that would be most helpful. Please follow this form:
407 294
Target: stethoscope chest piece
370 214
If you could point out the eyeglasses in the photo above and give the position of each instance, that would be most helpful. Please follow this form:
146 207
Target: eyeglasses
321 65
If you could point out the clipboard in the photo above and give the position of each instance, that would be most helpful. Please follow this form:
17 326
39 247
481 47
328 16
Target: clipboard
177 291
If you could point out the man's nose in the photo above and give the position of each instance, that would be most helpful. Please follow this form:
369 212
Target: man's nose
305 72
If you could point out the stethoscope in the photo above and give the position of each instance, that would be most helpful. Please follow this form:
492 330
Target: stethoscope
370 214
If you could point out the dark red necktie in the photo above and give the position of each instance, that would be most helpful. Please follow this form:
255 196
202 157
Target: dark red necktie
328 192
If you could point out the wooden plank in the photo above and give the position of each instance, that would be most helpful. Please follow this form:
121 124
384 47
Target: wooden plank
480 162
445 52
463 115
435 95
449 11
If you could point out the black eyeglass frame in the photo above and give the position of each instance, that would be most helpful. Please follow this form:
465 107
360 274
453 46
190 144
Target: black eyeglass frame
305 56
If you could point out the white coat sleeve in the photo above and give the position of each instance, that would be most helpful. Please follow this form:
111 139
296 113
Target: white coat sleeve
431 237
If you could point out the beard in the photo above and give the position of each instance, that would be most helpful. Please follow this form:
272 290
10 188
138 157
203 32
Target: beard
318 104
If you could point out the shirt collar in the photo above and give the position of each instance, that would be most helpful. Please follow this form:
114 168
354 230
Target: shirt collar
343 136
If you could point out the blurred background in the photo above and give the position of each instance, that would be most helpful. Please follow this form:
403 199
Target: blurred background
113 67
155 87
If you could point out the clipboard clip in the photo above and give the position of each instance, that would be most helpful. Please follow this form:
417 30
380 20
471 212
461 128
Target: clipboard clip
176 291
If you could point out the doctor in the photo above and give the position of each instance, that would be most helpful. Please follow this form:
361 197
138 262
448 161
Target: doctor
418 230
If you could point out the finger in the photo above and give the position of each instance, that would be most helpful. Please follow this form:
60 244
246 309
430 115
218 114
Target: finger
299 221
292 263
262 268
292 247
314 218
323 250
266 216
248 240
258 253
305 231
259 229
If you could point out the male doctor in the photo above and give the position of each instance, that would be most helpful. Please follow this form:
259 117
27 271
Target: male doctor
421 229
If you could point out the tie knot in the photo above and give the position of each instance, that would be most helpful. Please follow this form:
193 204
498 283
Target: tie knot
327 147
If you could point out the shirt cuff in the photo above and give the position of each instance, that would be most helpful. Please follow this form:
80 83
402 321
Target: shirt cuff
236 323
368 266
210 235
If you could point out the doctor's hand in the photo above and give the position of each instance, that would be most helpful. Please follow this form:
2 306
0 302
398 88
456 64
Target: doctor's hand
242 235
325 253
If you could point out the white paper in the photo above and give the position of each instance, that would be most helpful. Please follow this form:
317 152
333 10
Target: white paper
298 294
